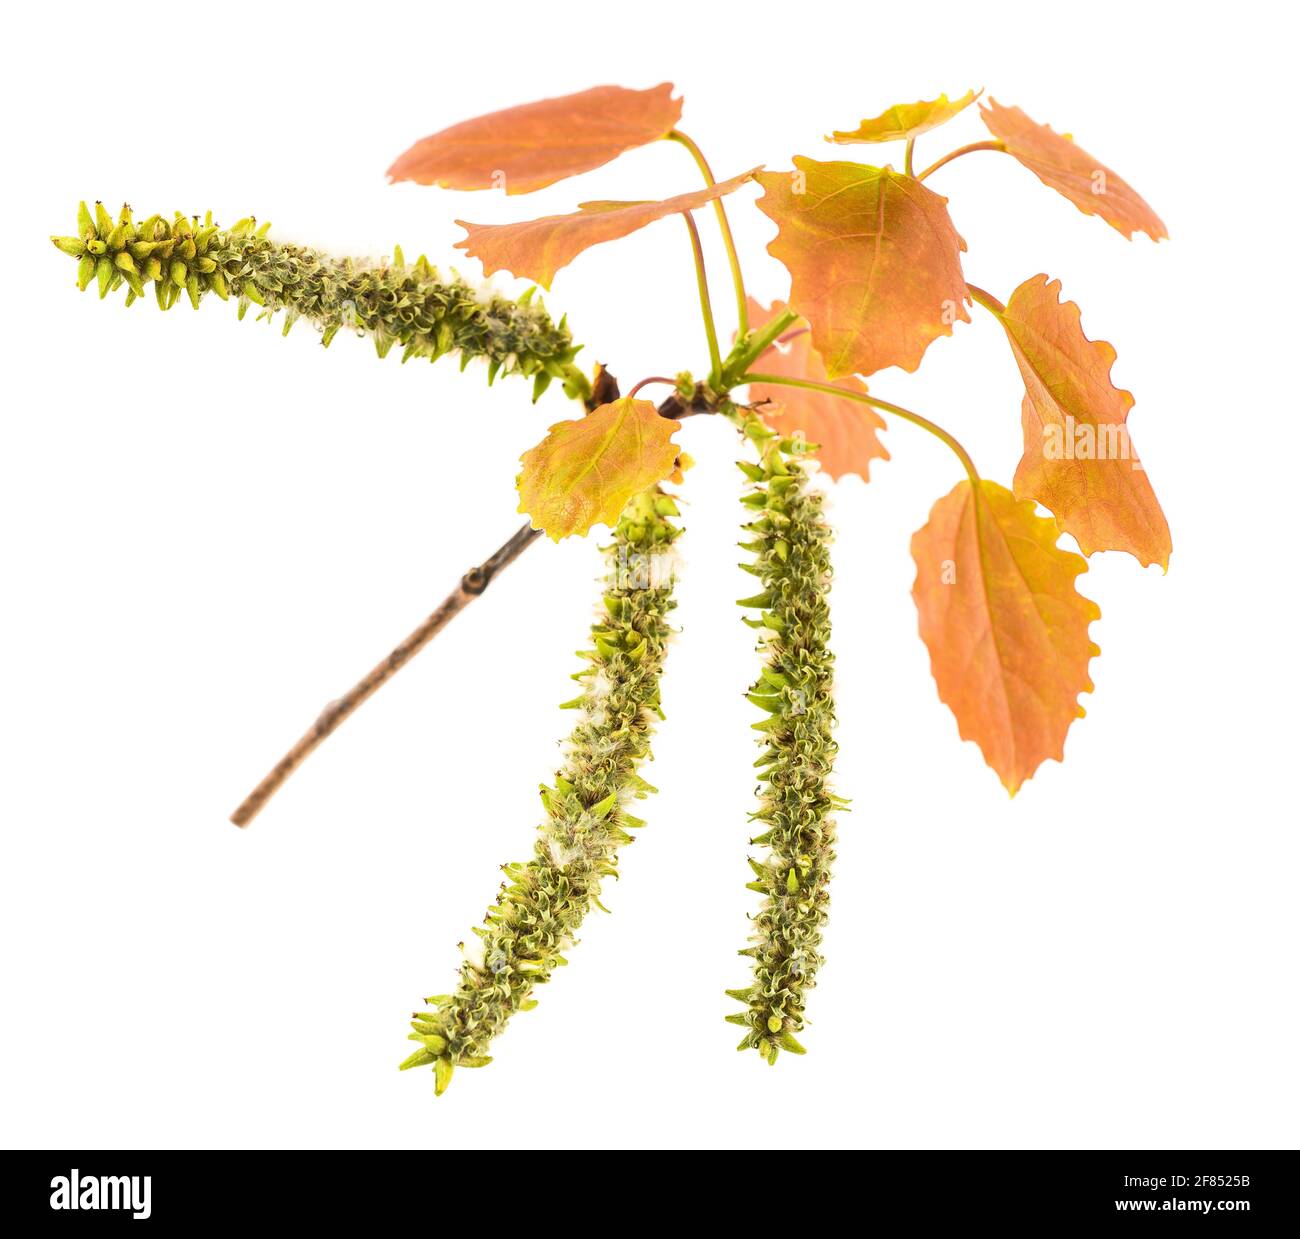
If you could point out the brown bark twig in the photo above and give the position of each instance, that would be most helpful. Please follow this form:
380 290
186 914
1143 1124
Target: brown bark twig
604 389
472 584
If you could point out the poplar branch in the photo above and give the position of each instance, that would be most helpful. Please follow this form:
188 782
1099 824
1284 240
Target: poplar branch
604 389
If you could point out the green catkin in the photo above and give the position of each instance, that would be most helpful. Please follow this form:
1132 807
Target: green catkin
790 541
543 901
394 303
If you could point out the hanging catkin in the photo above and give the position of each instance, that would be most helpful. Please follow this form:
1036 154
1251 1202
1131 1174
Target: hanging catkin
543 900
790 541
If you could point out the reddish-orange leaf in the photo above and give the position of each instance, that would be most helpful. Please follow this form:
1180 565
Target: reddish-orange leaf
874 262
537 248
905 120
1006 629
584 472
1070 170
1079 461
845 430
526 148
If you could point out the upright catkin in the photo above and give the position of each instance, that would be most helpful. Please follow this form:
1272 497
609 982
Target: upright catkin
543 900
394 303
790 541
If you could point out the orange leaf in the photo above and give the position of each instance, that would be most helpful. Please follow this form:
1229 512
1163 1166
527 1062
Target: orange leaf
1078 460
1006 629
529 147
537 248
1055 160
844 430
905 120
584 472
874 261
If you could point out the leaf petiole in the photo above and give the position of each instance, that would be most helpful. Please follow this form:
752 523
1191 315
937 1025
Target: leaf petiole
706 304
962 150
654 378
737 279
987 300
780 380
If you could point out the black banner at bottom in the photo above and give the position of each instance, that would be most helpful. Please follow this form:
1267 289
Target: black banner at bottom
428 1188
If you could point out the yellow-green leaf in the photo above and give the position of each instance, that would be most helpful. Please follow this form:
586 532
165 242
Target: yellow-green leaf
584 472
905 120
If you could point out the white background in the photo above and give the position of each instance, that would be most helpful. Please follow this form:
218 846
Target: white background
209 531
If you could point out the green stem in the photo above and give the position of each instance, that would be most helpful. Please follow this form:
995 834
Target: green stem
961 150
755 347
737 279
780 380
907 156
706 304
